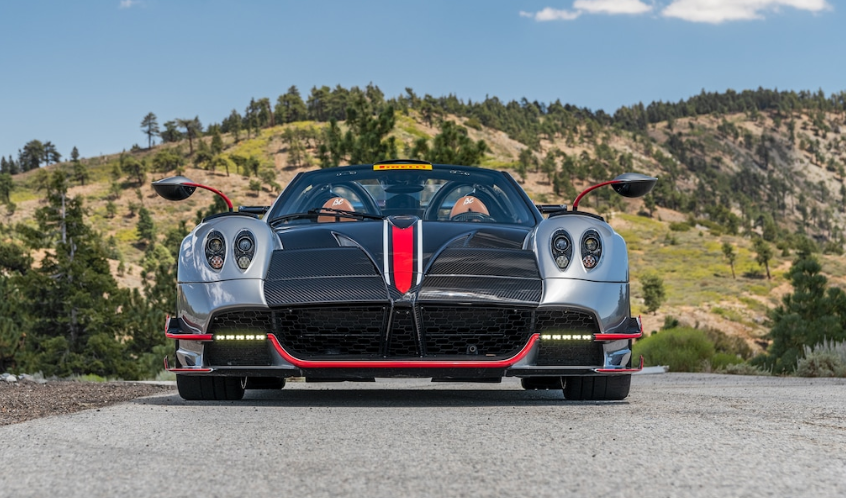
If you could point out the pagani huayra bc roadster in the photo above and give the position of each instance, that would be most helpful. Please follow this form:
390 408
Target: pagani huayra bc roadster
403 269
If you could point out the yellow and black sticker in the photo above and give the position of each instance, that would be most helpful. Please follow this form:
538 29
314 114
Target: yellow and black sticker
400 166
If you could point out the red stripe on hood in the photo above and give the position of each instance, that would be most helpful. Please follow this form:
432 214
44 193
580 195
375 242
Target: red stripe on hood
403 257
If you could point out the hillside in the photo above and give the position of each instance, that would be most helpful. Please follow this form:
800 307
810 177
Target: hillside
723 177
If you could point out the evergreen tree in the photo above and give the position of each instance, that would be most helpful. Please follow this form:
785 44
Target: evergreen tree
290 107
763 254
6 188
71 298
146 227
31 156
171 132
731 256
51 155
193 129
453 146
653 292
150 126
216 142
811 314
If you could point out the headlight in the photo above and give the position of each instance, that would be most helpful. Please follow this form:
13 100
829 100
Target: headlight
245 249
562 249
591 249
215 250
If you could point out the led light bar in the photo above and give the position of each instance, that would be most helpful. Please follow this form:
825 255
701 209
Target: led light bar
240 337
566 337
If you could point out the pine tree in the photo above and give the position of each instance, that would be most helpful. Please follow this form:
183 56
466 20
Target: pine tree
731 256
71 298
150 126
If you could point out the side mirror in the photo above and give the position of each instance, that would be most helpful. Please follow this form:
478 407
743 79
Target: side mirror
627 185
633 184
175 188
179 188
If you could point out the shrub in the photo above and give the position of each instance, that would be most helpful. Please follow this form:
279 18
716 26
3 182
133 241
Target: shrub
679 226
474 123
682 349
824 360
722 360
742 369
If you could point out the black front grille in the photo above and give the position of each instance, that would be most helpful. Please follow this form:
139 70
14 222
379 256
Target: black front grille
565 320
570 353
461 330
320 331
249 321
402 341
238 353
582 352
441 330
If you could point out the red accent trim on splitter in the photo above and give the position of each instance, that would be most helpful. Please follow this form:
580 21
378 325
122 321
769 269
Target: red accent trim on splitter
404 363
196 370
403 256
617 337
620 370
190 337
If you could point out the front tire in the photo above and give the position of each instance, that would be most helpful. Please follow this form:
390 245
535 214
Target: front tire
194 388
611 388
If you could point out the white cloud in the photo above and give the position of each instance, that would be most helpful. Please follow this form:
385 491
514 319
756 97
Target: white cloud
128 4
550 14
718 11
612 6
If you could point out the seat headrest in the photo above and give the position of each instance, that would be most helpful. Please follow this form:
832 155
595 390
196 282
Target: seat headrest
468 204
338 203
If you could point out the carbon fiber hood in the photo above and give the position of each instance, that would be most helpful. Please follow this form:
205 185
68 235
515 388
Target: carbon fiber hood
366 261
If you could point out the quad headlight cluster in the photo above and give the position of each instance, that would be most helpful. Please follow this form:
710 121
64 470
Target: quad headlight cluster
244 249
215 250
591 249
562 249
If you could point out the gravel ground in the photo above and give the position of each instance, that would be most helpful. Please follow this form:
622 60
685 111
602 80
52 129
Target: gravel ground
677 435
26 400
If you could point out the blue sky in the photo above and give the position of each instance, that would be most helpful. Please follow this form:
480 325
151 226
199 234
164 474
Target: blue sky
85 73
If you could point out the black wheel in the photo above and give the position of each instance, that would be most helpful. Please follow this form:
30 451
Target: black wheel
210 388
274 383
533 383
611 388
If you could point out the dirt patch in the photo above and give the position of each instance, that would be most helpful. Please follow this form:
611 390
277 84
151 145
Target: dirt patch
24 400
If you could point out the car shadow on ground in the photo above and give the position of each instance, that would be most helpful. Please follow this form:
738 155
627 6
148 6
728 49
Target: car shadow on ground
385 398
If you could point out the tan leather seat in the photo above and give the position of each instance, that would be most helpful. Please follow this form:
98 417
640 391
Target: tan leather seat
338 203
468 204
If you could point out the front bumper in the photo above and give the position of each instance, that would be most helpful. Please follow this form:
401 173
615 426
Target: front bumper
192 360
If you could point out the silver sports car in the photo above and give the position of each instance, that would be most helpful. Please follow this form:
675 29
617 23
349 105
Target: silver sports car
403 269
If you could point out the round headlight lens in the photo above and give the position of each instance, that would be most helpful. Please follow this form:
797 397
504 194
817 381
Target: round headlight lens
562 261
591 244
245 244
216 262
561 243
243 262
215 245
589 261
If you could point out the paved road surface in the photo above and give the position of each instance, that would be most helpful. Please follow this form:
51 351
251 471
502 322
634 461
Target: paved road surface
676 435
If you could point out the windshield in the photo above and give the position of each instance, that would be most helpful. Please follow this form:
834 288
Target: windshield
437 194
